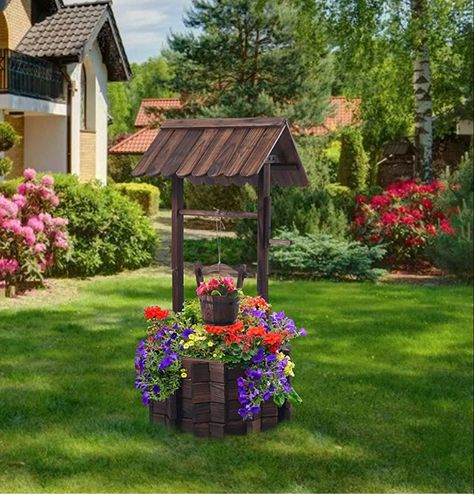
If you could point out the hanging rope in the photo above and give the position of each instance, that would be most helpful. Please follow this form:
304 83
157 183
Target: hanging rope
219 227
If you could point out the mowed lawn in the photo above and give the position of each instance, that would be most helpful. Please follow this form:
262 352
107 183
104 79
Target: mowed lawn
385 374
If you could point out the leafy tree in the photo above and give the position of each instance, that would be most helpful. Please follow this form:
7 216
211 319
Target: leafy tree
246 58
377 45
151 79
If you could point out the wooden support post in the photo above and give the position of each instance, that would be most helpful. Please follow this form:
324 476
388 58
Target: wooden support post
177 242
263 230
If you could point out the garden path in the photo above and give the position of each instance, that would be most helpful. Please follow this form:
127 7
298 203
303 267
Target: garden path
162 224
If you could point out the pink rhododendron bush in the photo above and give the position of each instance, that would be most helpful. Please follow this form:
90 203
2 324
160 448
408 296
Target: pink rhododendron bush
404 219
32 239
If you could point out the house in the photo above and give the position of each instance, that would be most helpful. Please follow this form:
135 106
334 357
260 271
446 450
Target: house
55 63
147 122
342 112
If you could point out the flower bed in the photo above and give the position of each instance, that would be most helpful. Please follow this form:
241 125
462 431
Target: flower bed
216 380
404 220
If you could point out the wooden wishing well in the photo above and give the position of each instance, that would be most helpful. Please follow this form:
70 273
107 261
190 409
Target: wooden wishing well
259 151
207 403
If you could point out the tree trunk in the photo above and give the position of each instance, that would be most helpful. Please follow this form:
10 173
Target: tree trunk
422 93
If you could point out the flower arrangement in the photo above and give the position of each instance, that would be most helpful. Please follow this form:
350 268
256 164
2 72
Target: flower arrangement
404 219
31 238
256 342
222 286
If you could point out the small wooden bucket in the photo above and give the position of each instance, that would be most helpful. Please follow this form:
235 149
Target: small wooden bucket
219 310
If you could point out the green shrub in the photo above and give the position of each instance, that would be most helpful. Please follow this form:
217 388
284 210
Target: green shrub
6 166
322 256
146 195
353 162
8 136
204 197
454 253
108 231
233 251
8 187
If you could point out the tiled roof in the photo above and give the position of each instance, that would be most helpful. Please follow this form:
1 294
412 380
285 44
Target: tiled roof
68 34
136 144
64 33
145 118
344 112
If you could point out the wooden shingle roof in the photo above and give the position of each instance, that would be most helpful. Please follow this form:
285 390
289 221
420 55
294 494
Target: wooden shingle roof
224 151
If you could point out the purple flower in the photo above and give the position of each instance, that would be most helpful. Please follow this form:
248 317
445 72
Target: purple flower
303 332
187 332
266 395
156 389
258 358
145 398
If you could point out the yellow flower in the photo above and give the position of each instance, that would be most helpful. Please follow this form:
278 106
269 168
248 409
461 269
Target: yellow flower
210 344
281 356
186 345
184 374
289 368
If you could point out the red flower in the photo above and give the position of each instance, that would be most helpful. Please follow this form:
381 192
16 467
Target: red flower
446 227
431 230
359 220
426 203
408 220
155 312
379 201
389 218
256 332
360 199
271 339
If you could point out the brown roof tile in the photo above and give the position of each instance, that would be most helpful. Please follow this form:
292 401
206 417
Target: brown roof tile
145 118
136 144
68 33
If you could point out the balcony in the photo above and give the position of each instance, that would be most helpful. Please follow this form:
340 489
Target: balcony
23 75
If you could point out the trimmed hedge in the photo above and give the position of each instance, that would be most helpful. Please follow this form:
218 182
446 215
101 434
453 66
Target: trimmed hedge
146 195
109 233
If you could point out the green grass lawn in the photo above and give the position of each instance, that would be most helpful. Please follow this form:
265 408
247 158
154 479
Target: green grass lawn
385 374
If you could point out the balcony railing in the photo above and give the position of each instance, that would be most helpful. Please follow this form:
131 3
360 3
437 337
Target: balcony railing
23 75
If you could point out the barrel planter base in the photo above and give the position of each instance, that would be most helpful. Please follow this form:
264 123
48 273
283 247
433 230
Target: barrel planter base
207 403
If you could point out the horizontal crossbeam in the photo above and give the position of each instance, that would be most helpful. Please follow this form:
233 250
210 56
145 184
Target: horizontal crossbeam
219 214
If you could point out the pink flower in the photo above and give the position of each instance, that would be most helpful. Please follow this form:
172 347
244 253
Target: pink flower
7 266
446 227
19 200
28 235
13 225
47 181
25 188
29 174
60 222
7 208
39 248
54 200
36 224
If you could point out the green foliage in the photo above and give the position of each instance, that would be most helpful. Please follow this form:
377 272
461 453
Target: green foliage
108 231
231 198
249 58
353 162
8 136
6 165
322 256
454 253
9 187
146 195
150 79
233 251
119 167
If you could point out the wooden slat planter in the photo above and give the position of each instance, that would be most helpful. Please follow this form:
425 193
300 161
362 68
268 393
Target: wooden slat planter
207 403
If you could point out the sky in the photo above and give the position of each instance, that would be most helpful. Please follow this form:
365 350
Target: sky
145 24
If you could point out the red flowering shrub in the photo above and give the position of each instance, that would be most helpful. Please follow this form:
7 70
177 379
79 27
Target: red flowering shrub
404 219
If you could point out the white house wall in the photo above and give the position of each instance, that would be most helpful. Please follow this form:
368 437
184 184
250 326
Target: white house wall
101 110
74 71
45 143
